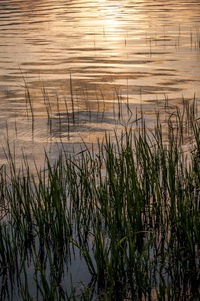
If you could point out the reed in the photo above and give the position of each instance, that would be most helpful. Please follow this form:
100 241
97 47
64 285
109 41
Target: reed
128 210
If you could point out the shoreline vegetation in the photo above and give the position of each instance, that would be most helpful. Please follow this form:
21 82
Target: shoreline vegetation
128 212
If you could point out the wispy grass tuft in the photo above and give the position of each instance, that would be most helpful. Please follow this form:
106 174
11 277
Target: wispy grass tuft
127 210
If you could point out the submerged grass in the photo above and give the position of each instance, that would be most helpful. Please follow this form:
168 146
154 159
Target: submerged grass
130 211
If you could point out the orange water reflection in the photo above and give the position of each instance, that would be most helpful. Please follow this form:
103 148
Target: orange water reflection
140 50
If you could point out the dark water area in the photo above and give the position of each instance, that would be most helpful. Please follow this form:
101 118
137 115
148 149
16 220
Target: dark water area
143 51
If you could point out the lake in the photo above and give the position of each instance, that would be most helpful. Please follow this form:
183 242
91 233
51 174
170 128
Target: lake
64 65
124 220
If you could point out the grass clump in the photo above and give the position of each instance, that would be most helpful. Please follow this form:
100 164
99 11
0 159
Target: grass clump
129 211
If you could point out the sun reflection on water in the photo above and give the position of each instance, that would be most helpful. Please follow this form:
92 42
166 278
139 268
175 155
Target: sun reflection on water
103 44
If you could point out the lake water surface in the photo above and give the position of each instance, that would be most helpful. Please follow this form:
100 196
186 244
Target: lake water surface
71 70
114 51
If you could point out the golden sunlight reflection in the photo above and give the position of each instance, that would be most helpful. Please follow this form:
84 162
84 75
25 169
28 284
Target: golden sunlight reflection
140 50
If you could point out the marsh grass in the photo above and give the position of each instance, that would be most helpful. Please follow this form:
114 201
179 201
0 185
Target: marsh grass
128 209
52 117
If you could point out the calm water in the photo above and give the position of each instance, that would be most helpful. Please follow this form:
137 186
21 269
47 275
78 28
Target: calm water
138 50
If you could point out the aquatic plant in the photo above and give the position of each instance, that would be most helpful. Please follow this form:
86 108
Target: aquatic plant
128 209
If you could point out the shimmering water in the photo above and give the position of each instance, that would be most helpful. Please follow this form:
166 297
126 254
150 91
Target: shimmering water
139 50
